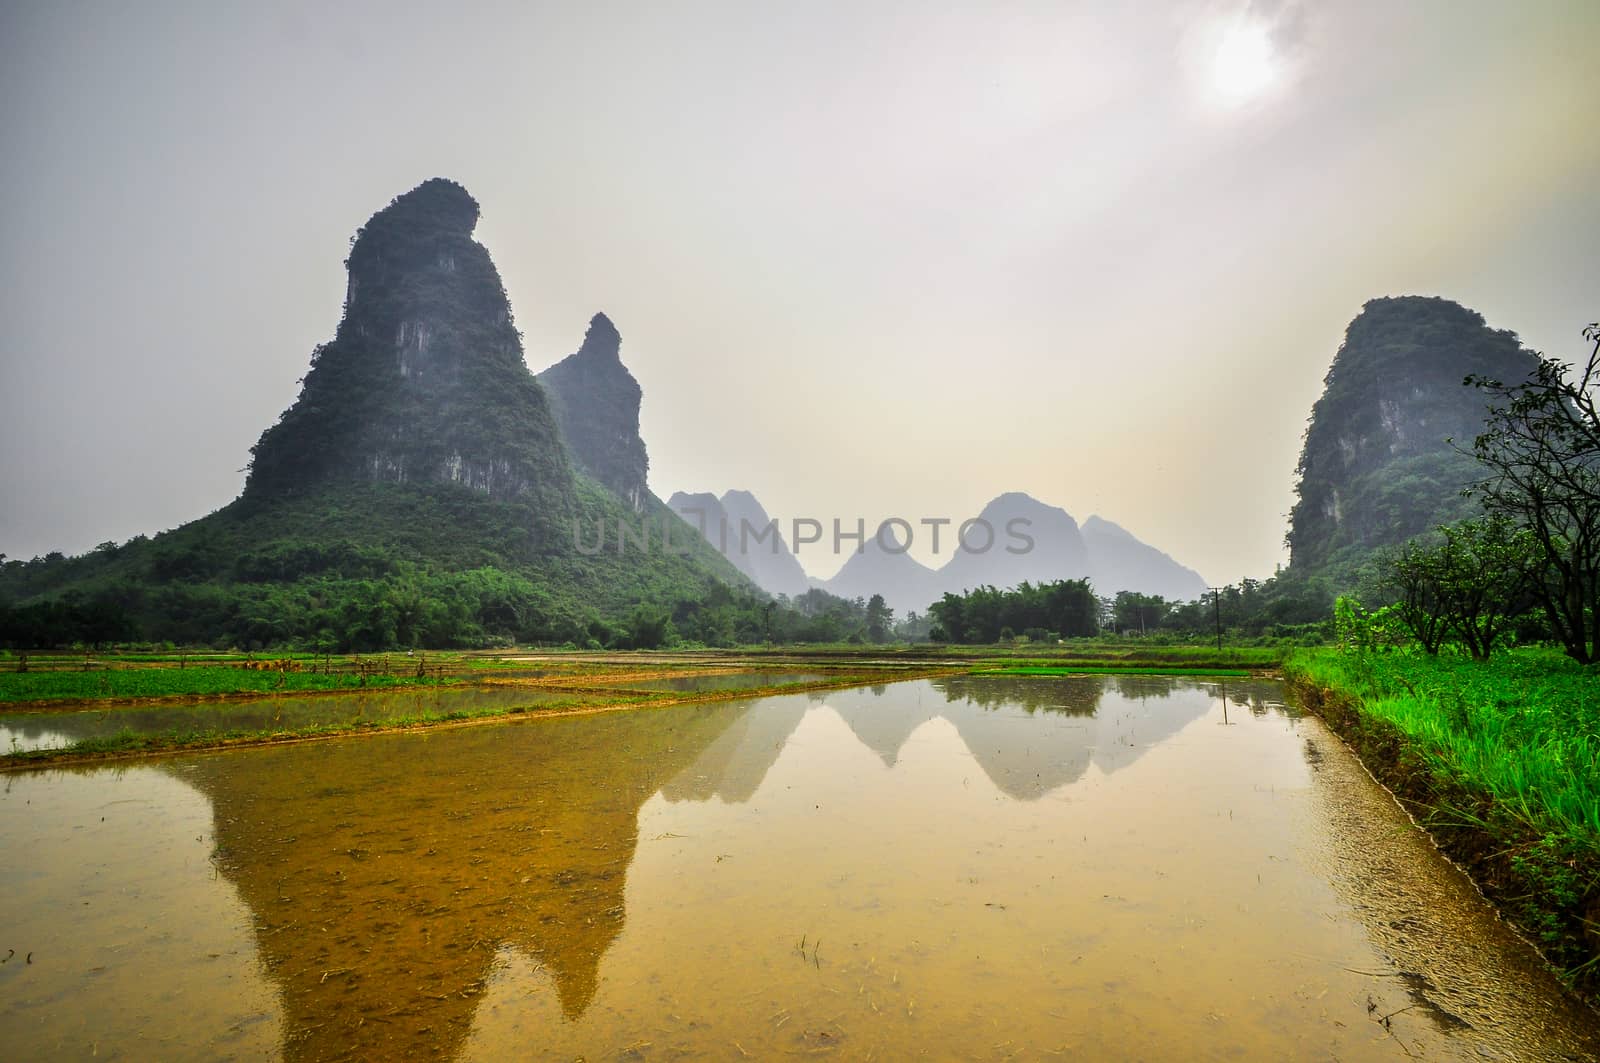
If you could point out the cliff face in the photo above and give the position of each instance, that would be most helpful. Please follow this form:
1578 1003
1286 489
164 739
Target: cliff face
419 452
1378 465
596 404
424 380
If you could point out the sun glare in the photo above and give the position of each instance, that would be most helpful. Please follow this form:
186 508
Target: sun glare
1244 63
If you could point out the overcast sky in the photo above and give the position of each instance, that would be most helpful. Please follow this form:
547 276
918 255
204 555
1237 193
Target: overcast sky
867 259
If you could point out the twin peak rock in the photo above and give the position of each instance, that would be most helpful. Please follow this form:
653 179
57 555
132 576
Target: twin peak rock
425 382
425 379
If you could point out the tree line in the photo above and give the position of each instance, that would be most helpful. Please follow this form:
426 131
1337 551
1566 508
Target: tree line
1529 568
300 602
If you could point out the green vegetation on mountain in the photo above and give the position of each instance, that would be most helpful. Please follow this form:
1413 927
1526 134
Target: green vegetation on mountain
1387 450
424 381
417 493
368 566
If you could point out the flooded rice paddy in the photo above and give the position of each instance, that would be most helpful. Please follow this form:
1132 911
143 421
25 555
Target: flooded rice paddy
972 868
697 684
55 729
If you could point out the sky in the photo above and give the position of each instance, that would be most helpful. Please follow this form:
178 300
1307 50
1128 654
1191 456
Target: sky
867 259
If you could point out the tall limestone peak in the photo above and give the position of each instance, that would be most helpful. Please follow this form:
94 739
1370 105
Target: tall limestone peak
596 402
1378 465
424 381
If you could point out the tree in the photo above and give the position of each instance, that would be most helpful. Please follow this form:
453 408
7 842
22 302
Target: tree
1472 584
1540 450
1486 566
649 628
1143 613
880 618
1065 607
1413 575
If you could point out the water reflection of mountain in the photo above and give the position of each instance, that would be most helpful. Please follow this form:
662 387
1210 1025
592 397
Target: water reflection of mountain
1031 735
384 874
734 765
883 724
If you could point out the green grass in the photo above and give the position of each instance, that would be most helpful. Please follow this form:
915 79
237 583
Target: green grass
1079 653
1500 759
1523 726
200 681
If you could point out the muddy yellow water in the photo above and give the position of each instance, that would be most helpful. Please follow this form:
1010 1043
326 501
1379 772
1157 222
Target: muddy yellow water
729 681
51 729
961 868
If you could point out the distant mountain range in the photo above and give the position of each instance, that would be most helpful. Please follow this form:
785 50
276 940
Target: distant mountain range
733 524
1019 539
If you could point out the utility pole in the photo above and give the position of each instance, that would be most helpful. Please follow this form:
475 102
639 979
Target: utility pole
1216 601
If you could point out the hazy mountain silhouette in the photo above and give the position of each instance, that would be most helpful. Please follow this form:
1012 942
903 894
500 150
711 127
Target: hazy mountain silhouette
1020 539
703 512
1120 562
906 584
1031 542
738 527
596 403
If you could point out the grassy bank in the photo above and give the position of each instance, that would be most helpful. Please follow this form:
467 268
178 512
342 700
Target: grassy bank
1500 761
1081 654
199 682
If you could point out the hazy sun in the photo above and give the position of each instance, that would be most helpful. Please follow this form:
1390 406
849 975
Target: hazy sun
1244 63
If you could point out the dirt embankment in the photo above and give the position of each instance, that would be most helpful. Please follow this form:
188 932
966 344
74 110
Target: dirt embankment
1547 886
